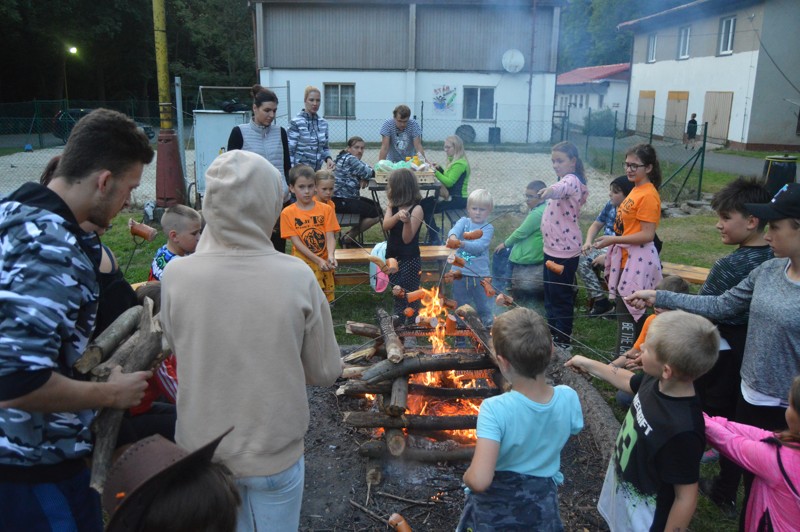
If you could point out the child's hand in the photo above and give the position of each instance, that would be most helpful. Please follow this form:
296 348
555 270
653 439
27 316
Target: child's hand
604 241
586 247
453 238
635 362
322 263
404 215
642 298
332 262
500 247
577 364
599 260
545 193
620 362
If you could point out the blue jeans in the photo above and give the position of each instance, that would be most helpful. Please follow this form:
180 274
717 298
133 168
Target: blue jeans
66 506
469 290
559 298
273 502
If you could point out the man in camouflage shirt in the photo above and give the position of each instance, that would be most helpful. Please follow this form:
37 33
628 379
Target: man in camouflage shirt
48 299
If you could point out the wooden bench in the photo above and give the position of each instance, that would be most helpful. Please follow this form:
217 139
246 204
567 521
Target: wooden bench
691 274
432 256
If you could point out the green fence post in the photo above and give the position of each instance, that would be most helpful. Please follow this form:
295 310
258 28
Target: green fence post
702 160
652 122
613 144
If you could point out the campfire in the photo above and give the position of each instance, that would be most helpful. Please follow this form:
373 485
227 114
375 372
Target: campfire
422 401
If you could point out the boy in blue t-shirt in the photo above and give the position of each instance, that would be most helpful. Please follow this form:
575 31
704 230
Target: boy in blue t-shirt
512 480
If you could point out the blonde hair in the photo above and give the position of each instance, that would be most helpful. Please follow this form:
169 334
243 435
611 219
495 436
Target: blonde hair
177 217
522 337
687 342
480 197
309 90
458 149
323 175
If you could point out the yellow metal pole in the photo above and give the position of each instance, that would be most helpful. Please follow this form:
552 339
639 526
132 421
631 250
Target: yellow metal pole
170 185
160 28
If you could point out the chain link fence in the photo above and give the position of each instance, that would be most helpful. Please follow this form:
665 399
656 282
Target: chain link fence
505 153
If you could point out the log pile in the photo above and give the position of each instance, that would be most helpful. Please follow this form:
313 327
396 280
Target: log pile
134 342
385 373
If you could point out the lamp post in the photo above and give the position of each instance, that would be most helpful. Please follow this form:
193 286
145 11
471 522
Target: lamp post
72 51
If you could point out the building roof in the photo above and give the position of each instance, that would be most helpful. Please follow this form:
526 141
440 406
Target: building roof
594 74
689 11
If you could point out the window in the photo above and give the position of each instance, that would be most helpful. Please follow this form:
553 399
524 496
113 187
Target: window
340 100
600 101
651 48
580 101
683 42
478 103
727 28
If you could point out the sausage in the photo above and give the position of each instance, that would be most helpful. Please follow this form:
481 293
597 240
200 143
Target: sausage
399 523
486 283
453 243
416 295
451 325
554 267
455 260
409 311
397 291
449 303
452 275
430 322
473 235
504 300
391 266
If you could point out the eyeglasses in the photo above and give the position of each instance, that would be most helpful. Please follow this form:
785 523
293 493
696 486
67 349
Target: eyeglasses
633 166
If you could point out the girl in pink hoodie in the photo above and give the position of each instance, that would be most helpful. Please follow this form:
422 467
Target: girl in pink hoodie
562 239
774 459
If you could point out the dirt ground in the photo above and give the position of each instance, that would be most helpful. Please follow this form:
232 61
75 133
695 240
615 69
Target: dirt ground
336 474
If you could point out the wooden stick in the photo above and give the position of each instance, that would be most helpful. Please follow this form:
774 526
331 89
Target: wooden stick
357 388
362 329
377 449
376 420
369 512
394 347
107 341
398 404
145 352
473 322
353 372
365 353
385 370
410 501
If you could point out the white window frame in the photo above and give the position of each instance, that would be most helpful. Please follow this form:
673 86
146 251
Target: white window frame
684 39
727 31
480 95
331 112
652 42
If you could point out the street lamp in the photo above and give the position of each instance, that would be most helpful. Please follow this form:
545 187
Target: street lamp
73 51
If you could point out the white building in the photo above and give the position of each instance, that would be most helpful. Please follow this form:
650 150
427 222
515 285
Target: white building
478 64
595 88
733 62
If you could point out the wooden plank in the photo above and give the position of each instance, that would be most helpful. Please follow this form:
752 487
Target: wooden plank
691 274
359 255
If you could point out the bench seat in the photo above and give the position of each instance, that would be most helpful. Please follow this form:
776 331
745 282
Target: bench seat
691 274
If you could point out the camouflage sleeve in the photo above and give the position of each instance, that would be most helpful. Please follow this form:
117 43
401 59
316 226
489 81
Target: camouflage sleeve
293 135
47 281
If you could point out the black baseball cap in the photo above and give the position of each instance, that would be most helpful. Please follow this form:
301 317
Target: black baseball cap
785 204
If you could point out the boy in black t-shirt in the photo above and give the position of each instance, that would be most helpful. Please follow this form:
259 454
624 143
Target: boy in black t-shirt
651 482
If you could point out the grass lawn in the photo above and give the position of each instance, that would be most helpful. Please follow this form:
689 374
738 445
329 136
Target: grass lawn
756 154
691 240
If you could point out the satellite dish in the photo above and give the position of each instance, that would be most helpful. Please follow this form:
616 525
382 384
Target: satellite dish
513 61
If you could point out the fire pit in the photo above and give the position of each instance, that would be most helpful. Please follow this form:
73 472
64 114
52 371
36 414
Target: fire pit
422 401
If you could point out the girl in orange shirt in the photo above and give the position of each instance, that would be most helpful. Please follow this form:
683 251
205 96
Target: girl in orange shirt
632 260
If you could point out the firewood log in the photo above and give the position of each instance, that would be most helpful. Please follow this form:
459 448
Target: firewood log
362 329
106 342
377 449
394 347
395 441
358 388
385 370
409 421
398 404
471 319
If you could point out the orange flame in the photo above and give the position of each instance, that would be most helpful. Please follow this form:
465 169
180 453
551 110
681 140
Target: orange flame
432 308
445 406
